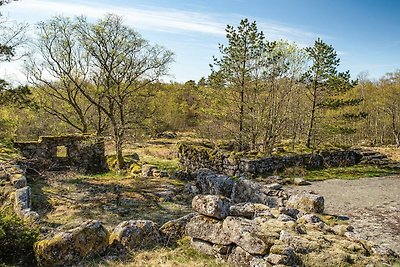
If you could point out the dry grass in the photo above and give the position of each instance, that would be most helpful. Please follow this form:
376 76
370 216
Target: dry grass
182 255
391 152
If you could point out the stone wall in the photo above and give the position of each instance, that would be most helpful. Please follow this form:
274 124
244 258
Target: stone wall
193 157
81 152
15 192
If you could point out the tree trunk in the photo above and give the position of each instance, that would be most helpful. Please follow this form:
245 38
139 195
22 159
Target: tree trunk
241 145
396 132
312 119
118 151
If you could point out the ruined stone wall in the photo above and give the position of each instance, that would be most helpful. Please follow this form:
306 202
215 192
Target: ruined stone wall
193 157
81 152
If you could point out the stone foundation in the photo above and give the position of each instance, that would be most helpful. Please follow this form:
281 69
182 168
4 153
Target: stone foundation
193 157
80 152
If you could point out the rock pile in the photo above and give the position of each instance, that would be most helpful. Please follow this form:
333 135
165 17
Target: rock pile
239 190
251 234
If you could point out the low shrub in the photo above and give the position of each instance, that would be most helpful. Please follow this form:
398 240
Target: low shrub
16 241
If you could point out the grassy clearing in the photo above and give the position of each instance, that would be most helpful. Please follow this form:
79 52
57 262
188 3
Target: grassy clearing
110 198
346 173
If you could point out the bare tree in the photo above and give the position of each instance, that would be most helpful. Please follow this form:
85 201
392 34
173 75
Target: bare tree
122 66
59 71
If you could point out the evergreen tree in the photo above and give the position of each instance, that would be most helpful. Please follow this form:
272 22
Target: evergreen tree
238 67
324 84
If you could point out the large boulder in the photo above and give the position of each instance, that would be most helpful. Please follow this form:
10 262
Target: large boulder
135 234
175 229
211 205
207 229
214 184
244 233
306 201
71 246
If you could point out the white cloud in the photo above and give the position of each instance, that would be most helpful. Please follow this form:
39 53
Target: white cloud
161 19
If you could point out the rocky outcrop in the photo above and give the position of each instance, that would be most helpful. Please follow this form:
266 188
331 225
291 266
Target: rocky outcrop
67 247
256 234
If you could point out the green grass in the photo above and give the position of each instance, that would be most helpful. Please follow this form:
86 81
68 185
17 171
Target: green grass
7 152
162 164
345 173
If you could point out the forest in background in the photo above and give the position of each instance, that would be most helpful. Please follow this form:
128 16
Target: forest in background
103 78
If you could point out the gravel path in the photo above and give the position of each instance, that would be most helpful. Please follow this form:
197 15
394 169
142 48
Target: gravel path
373 205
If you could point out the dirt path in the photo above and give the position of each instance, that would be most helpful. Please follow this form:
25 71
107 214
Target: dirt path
373 205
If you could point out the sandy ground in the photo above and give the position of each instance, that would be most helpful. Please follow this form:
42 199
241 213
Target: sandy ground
373 205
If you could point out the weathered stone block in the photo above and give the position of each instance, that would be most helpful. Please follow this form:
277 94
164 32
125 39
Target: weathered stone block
71 246
208 229
244 233
214 184
135 234
211 205
308 202
175 229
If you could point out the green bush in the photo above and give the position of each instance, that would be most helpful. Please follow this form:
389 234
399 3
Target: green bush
16 241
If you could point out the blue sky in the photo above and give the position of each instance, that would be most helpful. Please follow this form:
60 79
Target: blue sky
365 33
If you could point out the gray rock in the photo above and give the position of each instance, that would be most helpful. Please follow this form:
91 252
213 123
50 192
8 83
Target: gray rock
240 258
273 179
243 232
135 234
211 205
274 186
214 184
247 191
308 202
68 247
285 218
207 229
175 229
289 211
341 229
147 170
276 259
210 248
203 246
248 210
308 218
22 199
300 181
192 189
